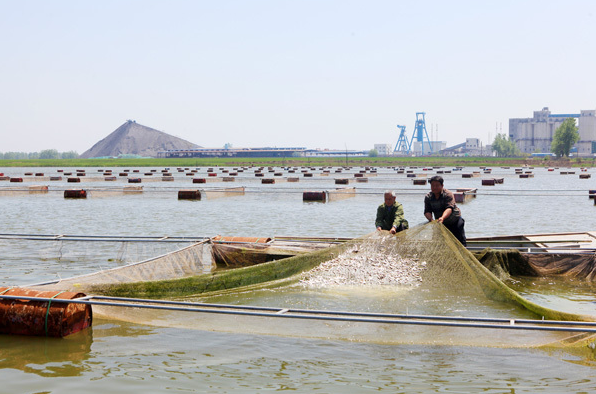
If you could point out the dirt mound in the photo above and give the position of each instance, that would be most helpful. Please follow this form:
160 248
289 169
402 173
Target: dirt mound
134 139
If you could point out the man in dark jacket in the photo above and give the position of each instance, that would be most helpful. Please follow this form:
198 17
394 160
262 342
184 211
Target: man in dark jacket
441 203
390 215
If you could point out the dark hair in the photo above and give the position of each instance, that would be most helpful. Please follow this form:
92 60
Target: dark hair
437 178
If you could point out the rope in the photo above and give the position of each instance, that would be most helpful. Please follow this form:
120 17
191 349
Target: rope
48 310
7 290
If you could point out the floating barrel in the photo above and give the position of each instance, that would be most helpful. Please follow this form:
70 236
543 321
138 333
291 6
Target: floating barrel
42 318
199 180
291 171
314 196
39 174
68 173
499 180
228 179
148 174
154 170
190 174
293 179
526 175
419 181
110 178
167 179
212 174
267 181
189 195
28 173
584 176
80 174
166 174
123 174
488 182
277 174
73 180
411 175
233 174
136 170
358 175
342 181
74 193
134 180
55 178
307 175
16 179
361 180
592 194
60 170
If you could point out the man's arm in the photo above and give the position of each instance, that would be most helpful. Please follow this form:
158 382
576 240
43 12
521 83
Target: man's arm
379 219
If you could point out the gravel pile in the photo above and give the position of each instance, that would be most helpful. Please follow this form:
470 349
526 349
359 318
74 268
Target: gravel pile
370 267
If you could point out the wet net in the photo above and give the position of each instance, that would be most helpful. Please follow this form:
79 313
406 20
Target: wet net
191 260
423 270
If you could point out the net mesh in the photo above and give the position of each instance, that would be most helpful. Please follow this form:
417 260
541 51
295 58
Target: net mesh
448 280
188 261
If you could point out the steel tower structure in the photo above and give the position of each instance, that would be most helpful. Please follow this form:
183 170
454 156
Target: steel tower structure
402 145
420 133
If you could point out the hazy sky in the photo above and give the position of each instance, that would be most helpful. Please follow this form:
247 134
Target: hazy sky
313 73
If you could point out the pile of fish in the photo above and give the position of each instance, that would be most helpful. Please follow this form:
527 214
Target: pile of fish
365 267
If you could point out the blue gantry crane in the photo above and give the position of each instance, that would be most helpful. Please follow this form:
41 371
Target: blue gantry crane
420 134
402 145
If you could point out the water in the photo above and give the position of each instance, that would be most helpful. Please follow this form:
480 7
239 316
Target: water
118 356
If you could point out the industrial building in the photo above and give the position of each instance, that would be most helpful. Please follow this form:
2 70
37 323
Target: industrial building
233 152
535 135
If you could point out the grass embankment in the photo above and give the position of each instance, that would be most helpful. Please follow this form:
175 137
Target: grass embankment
304 161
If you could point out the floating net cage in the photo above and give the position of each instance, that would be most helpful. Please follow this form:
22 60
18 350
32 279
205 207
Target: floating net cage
438 277
56 257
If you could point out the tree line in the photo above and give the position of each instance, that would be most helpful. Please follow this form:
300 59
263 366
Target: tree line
565 137
44 154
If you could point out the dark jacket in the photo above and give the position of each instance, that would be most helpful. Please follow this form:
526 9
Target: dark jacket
438 205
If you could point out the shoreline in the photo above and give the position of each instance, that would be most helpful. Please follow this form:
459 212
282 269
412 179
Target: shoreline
308 161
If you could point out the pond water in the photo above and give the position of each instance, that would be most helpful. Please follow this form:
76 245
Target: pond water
124 356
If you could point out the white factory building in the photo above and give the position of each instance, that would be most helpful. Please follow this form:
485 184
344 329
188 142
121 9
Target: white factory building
535 135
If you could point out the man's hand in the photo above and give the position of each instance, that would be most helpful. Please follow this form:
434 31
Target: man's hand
393 230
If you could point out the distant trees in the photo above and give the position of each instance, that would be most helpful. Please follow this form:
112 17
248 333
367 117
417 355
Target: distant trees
71 154
44 154
373 153
504 146
49 154
565 137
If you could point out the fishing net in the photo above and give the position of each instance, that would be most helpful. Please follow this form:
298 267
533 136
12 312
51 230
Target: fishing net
504 263
188 261
421 271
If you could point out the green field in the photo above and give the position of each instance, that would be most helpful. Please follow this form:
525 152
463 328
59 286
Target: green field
304 161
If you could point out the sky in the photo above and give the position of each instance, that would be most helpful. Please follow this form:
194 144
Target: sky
325 74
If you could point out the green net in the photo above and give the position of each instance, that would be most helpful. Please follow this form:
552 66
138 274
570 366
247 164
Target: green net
447 280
